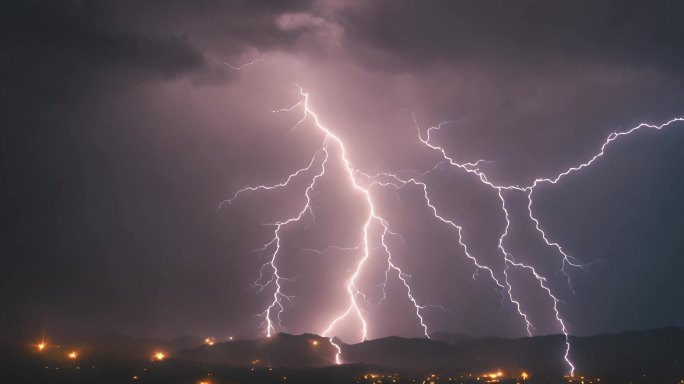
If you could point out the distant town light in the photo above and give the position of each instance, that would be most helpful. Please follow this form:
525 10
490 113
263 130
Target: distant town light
73 355
159 356
493 375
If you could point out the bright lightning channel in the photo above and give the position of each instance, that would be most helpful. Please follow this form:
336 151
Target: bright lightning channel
393 180
247 64
272 314
567 260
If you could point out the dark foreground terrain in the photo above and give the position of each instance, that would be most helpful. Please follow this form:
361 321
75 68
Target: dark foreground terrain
654 356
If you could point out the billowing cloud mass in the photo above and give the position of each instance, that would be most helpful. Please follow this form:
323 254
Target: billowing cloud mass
125 124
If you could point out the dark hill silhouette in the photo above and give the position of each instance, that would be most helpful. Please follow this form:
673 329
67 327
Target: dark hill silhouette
402 354
625 355
117 346
628 354
449 338
651 356
657 354
280 350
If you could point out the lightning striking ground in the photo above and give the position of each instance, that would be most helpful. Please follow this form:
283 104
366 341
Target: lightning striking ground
353 307
270 277
567 260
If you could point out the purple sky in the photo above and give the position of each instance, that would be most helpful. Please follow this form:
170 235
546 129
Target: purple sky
123 130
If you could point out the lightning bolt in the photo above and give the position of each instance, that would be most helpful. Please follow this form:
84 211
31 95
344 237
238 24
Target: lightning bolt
566 259
276 279
272 313
247 64
362 183
391 266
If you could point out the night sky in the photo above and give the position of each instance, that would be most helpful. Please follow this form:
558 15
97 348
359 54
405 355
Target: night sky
123 129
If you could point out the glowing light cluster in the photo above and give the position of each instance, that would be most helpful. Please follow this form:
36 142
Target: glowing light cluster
332 148
493 375
158 356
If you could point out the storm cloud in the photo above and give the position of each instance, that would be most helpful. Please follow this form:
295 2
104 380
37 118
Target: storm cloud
123 129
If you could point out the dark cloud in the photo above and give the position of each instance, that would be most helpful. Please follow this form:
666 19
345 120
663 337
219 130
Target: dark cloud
61 48
538 35
49 46
520 73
